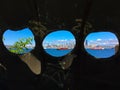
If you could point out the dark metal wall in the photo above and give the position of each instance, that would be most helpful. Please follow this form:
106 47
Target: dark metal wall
87 72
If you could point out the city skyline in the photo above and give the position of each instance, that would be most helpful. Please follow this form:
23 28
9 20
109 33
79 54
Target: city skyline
57 39
61 37
101 40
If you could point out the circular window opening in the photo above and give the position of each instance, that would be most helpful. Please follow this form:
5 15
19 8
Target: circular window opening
19 42
101 44
59 43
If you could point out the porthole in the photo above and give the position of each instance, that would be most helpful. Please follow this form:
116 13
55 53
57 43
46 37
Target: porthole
59 43
20 41
101 44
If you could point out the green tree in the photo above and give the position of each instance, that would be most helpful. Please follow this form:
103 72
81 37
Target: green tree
20 46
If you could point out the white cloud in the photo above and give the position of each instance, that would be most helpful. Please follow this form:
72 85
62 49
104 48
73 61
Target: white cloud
99 39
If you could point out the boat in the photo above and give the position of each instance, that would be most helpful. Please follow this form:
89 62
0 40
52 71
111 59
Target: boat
62 48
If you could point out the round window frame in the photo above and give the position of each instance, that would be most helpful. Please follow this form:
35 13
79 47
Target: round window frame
57 59
102 59
33 51
4 47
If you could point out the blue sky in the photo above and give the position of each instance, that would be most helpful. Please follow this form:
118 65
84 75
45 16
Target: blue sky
12 36
59 35
101 35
